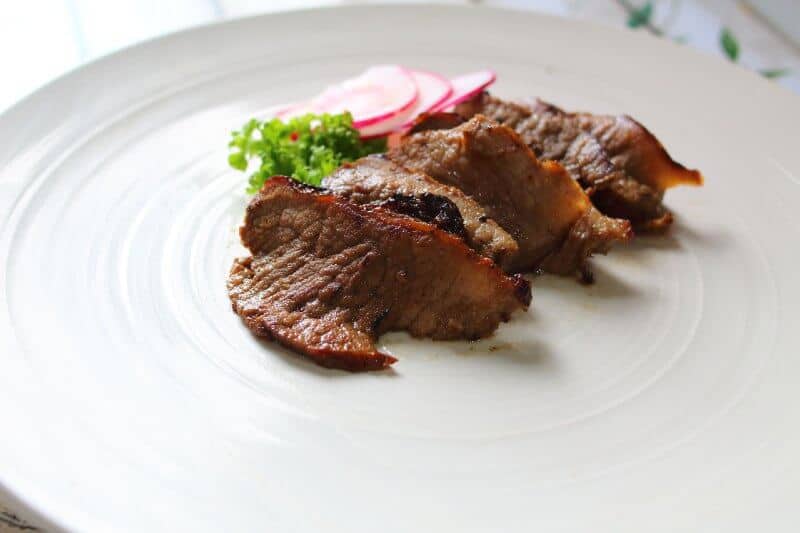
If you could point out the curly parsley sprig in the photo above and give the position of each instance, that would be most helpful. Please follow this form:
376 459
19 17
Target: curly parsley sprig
306 148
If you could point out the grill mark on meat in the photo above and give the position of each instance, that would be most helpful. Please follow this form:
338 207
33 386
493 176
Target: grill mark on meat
376 179
619 163
326 277
548 214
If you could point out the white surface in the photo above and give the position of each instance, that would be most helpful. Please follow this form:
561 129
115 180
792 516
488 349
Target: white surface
664 398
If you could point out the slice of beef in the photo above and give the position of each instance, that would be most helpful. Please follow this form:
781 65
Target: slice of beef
620 164
376 179
327 276
549 215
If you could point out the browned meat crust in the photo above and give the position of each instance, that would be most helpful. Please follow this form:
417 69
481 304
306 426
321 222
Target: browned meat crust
619 163
431 208
376 179
538 203
437 121
328 276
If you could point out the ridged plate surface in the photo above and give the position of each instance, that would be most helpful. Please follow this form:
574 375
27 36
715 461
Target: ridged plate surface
666 397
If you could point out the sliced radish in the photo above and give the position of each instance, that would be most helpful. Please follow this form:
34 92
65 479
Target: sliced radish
432 90
386 99
386 126
379 93
465 87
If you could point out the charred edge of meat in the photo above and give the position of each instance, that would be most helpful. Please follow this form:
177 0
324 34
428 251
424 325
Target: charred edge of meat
671 172
436 121
432 208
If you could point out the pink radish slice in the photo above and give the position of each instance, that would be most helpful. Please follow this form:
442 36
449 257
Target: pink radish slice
465 87
386 126
432 90
379 93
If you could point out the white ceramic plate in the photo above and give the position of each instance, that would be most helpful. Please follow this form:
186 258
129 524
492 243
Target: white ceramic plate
664 398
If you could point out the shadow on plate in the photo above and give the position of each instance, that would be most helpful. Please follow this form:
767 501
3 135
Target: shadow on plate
606 286
678 235
531 353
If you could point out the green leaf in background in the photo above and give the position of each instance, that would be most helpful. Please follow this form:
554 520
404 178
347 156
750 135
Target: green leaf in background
729 44
774 73
681 39
640 16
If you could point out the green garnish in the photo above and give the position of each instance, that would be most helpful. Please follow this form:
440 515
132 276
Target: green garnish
306 148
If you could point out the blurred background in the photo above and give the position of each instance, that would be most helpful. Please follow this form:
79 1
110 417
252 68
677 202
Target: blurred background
41 39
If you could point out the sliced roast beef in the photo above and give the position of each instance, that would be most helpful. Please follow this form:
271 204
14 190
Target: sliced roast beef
547 212
377 180
327 276
620 164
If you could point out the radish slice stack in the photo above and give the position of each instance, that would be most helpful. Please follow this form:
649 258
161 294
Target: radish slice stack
432 90
377 95
386 99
